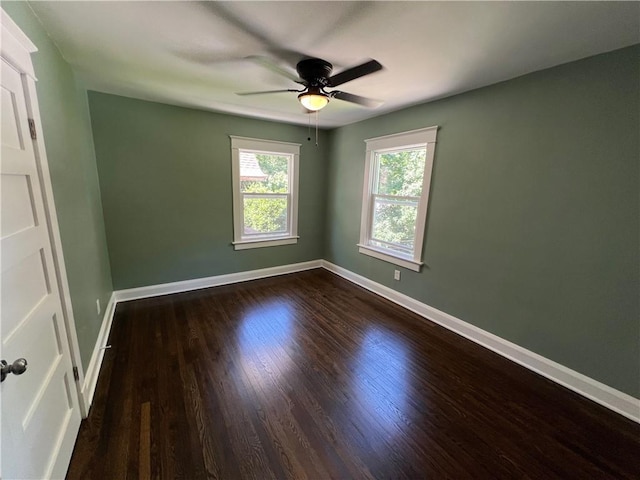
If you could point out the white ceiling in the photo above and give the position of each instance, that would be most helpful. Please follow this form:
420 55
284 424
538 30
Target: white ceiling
193 53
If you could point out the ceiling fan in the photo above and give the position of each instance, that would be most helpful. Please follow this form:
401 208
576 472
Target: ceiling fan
314 74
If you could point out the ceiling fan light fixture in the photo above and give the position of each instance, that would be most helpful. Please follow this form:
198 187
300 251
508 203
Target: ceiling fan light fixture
313 101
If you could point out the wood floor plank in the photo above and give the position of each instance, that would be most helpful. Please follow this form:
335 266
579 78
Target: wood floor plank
309 376
144 459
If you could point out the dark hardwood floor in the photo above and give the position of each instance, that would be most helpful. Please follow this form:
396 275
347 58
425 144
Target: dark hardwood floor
309 376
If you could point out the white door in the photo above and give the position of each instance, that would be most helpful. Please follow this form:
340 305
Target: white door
40 415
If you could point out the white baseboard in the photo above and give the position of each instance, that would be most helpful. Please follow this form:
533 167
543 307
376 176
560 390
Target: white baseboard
216 281
600 393
93 370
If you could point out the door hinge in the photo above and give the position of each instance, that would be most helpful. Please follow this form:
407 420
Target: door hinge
76 374
32 129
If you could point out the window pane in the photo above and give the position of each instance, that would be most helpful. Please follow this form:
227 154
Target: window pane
265 215
394 224
401 172
264 173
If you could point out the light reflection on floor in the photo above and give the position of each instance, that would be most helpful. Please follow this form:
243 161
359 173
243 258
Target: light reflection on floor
381 382
264 335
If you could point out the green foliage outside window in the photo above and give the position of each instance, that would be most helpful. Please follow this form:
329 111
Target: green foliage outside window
400 173
267 214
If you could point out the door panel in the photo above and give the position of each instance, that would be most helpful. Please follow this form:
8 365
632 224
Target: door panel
18 300
11 136
16 188
40 409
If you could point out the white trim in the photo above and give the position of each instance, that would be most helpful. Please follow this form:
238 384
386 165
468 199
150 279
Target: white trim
215 281
56 241
416 137
294 193
383 255
93 369
245 244
275 146
605 395
422 138
15 46
240 242
10 27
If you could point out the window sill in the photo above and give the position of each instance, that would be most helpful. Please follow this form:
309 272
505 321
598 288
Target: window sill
387 257
271 242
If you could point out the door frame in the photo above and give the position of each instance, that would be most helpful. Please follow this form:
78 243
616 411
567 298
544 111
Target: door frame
16 48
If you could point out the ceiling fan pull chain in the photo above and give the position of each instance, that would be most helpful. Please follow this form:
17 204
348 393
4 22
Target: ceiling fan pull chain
316 128
309 135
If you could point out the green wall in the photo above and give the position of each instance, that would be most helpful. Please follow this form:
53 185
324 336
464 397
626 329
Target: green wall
67 135
533 226
532 230
165 176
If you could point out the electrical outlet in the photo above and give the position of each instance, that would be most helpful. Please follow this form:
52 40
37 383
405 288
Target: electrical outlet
396 274
98 305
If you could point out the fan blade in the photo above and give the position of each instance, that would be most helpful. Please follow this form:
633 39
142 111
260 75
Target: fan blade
202 58
268 91
350 97
269 64
353 13
224 10
354 72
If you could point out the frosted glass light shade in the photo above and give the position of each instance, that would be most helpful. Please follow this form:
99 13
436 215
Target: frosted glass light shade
313 101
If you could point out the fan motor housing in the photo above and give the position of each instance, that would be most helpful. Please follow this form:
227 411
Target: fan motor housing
314 70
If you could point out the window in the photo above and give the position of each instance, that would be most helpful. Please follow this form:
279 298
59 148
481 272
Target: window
395 195
265 192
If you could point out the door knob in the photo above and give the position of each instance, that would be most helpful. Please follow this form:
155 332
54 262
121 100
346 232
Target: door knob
17 368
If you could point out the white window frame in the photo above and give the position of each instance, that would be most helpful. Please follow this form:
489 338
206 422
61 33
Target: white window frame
424 137
270 147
